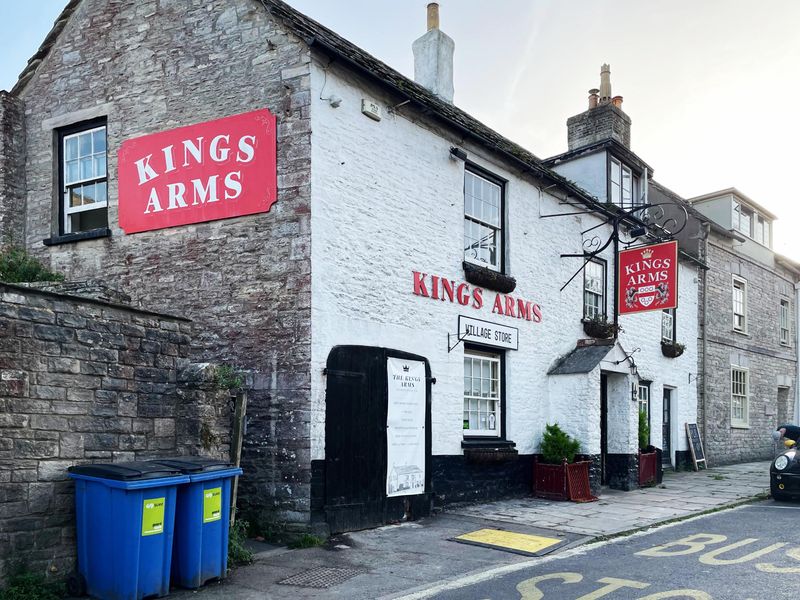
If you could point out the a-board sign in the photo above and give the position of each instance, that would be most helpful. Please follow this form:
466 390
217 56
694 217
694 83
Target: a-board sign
695 445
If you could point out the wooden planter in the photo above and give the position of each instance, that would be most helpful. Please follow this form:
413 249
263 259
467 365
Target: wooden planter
648 468
562 482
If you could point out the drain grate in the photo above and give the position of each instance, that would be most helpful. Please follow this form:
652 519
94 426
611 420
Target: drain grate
320 577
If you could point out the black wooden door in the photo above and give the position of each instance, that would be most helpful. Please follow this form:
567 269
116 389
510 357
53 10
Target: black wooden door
355 441
603 428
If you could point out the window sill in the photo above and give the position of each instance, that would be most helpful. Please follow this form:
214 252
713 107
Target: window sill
744 333
486 442
489 278
77 237
739 426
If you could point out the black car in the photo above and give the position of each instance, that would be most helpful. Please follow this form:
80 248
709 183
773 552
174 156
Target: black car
784 475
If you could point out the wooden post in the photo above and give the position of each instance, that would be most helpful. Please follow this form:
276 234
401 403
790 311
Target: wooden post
239 412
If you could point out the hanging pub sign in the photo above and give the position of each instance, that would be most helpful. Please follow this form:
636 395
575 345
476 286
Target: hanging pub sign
648 278
204 172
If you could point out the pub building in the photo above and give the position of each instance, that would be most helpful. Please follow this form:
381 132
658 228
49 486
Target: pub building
399 281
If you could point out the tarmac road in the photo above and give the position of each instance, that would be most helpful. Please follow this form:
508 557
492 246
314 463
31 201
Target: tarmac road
751 552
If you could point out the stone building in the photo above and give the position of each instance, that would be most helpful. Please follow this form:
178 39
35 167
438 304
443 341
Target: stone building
391 244
599 159
748 343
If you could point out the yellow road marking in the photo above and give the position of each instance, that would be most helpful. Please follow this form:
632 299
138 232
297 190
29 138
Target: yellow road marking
508 540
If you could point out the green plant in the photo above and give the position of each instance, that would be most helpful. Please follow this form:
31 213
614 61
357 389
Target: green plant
598 326
557 445
238 554
25 585
305 541
17 266
644 431
227 377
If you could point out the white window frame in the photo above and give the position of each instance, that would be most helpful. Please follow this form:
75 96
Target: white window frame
737 210
643 395
744 399
601 309
66 209
492 358
785 322
623 173
497 228
668 333
742 283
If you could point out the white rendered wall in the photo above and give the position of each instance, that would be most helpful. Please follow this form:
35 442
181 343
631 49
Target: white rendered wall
388 200
590 172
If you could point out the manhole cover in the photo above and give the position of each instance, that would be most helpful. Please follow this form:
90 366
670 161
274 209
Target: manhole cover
320 577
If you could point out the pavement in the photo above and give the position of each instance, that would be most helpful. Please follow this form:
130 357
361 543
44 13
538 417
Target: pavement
402 560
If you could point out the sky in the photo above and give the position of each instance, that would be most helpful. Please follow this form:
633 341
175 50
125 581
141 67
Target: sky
710 85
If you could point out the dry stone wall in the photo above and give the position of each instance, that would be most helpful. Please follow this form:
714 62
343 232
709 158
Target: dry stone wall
89 381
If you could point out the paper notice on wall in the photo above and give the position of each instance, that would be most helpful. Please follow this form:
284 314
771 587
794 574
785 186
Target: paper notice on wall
405 428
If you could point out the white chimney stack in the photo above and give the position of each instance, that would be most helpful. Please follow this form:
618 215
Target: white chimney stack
433 58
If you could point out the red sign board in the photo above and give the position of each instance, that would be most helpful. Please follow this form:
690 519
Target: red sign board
648 278
213 170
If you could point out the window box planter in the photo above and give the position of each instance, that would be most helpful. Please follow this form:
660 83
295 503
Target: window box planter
672 349
600 328
648 467
562 482
487 278
485 456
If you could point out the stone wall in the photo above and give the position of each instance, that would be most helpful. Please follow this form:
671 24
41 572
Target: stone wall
88 381
597 124
12 175
770 364
151 65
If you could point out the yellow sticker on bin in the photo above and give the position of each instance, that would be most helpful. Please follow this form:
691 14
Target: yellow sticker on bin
153 516
508 540
212 504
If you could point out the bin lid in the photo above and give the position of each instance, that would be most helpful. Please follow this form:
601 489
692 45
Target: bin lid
192 465
126 471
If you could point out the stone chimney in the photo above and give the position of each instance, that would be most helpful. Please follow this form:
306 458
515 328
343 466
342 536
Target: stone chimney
604 120
12 169
433 58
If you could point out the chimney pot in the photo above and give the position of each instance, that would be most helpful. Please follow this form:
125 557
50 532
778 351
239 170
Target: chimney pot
617 101
593 98
433 15
605 83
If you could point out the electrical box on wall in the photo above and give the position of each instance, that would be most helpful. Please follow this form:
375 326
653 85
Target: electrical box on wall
372 110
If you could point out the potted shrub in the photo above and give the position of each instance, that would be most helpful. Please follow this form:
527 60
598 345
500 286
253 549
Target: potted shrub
600 327
672 349
648 457
556 474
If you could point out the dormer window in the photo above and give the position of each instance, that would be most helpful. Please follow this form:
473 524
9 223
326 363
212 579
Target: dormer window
750 223
622 185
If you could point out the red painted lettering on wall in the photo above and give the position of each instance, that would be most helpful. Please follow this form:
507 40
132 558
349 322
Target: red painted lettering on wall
448 290
214 170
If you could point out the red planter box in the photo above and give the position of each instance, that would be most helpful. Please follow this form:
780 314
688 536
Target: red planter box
647 468
562 482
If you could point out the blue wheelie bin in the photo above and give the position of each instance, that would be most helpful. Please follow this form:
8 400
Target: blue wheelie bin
125 516
202 520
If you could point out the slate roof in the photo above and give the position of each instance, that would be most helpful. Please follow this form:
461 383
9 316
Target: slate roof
581 359
320 37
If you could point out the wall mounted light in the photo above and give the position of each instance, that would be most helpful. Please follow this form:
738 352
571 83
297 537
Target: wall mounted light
457 153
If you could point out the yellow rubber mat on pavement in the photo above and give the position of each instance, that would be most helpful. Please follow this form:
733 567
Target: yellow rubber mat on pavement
521 543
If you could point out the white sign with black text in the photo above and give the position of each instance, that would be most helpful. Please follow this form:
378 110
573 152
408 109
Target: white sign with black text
405 428
487 334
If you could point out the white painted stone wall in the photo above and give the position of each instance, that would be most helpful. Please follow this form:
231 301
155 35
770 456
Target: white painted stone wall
387 200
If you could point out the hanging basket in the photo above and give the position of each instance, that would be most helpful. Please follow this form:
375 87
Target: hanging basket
600 328
672 349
